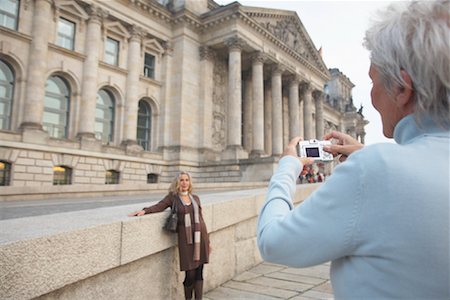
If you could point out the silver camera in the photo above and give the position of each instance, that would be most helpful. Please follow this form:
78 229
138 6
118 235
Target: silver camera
314 149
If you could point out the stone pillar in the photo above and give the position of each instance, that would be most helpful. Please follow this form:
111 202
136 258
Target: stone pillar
134 67
165 120
90 70
258 106
268 118
234 119
277 112
36 72
207 57
247 116
294 120
318 98
307 111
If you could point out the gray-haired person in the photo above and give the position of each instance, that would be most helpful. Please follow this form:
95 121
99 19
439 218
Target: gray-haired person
382 217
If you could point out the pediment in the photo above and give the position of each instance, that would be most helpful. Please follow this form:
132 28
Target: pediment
287 28
155 45
73 8
117 28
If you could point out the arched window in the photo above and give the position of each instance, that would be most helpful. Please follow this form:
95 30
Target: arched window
56 107
104 116
112 177
144 125
62 175
6 95
5 173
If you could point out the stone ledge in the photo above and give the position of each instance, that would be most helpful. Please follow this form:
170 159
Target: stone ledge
67 252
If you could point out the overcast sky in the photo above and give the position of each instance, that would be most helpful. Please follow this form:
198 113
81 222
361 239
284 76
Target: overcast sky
339 27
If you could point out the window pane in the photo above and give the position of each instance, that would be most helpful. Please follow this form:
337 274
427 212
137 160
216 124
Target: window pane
9 10
62 175
149 66
66 34
104 116
111 51
112 177
5 173
144 125
56 107
6 94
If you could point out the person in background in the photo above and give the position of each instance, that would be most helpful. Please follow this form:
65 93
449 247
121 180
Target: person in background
193 240
383 224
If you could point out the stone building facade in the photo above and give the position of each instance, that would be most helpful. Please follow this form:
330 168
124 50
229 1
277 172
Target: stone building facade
132 91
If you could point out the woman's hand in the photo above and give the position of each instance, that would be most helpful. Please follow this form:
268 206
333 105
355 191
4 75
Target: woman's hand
137 213
291 149
345 146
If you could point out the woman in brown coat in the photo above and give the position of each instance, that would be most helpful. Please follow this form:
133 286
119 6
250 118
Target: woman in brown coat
193 240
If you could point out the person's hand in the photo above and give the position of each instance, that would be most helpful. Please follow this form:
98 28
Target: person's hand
291 149
137 213
345 146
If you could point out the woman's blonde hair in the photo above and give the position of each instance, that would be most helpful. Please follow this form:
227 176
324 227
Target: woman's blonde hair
175 185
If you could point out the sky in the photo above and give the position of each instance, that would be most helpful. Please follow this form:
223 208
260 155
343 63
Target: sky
339 28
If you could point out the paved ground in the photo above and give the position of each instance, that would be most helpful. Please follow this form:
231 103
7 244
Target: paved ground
270 282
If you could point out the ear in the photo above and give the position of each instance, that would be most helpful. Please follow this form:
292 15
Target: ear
405 93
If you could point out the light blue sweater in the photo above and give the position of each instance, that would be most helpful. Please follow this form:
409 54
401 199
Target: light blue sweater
382 218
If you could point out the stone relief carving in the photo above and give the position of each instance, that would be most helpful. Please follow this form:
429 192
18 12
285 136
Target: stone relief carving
288 33
219 105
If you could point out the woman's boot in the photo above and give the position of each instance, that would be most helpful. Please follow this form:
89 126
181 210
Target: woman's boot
188 292
198 287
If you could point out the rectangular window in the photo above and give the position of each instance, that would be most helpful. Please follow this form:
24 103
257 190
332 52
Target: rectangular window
112 51
66 34
149 66
9 13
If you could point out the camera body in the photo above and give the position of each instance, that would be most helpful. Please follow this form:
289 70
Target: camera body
314 149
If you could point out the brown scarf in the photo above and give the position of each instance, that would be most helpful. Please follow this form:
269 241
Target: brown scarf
188 226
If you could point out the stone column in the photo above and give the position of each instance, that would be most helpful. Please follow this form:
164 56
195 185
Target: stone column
207 57
258 105
134 67
36 72
165 121
248 115
307 110
277 112
234 119
268 118
294 121
318 98
90 70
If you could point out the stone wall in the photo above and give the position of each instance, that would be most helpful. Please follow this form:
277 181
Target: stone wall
102 254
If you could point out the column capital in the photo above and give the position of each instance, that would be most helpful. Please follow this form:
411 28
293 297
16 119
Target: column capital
278 69
258 57
168 47
294 79
207 53
96 13
317 95
305 87
136 33
235 43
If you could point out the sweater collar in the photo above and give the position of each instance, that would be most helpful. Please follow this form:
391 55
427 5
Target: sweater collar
408 129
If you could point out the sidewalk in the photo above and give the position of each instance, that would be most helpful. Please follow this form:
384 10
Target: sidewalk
270 282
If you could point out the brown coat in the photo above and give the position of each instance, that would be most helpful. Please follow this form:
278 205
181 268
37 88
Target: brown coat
185 250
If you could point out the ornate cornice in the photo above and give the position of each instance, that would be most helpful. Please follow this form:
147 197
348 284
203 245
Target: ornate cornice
207 53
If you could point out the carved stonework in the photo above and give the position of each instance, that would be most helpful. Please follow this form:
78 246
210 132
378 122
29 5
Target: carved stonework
235 43
96 13
207 53
287 32
219 138
259 57
136 32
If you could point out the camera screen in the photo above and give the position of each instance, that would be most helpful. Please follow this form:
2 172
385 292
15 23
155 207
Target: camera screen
312 152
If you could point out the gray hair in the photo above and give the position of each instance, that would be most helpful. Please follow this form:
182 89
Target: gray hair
416 40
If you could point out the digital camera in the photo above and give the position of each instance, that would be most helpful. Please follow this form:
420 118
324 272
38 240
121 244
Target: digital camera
314 149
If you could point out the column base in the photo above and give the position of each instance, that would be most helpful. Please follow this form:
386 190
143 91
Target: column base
234 152
33 133
132 147
89 142
256 154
